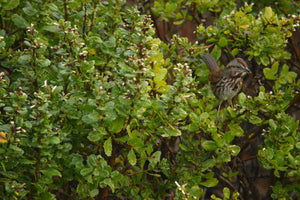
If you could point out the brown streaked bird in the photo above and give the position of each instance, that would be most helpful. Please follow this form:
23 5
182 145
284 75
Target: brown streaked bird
226 83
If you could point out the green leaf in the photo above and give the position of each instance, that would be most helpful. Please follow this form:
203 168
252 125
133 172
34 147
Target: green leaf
298 145
276 173
292 161
51 28
50 172
160 74
174 132
209 145
228 137
268 13
170 7
135 139
16 149
91 118
47 195
110 43
242 99
271 72
88 65
154 159
283 74
180 113
234 52
291 77
53 140
211 182
8 109
272 124
226 193
95 136
223 42
216 52
116 125
10 4
232 112
208 164
108 147
131 157
234 150
196 192
264 60
286 76
9 174
24 59
236 130
178 22
86 171
44 62
110 183
255 120
248 9
179 16
19 21
92 160
94 192
29 10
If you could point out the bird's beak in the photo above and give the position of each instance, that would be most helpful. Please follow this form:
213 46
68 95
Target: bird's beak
248 70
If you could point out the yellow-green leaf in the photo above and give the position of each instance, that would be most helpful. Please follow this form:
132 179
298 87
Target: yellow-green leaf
222 42
131 157
116 125
108 147
209 145
271 72
211 182
236 130
3 138
268 13
234 52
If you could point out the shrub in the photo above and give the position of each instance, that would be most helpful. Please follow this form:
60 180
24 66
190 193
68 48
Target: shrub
96 107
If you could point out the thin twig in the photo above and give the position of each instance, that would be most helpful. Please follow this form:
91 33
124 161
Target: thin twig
84 21
295 3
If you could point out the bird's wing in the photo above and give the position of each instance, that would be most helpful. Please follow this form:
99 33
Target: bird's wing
215 77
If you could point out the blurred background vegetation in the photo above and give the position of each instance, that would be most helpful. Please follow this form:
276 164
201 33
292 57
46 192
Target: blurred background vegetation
111 100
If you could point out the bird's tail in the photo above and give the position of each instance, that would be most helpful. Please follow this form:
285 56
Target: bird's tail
211 63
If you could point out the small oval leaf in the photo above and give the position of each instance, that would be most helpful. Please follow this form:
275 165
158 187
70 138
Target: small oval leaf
108 147
131 157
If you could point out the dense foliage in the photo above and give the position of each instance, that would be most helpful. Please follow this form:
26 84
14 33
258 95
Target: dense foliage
95 106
